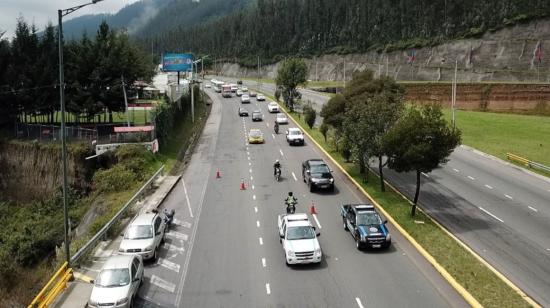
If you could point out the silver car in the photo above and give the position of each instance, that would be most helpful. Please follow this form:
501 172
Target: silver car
144 236
118 282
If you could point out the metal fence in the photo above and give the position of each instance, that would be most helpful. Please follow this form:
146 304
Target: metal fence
101 233
52 133
527 163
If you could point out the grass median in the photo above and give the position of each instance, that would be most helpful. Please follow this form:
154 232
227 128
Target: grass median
484 285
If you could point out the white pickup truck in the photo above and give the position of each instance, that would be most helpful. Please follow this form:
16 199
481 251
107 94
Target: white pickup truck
299 239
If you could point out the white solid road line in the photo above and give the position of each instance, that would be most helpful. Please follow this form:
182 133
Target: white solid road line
532 208
261 241
489 186
257 223
424 174
267 289
490 214
187 197
281 151
471 178
456 170
169 265
316 220
508 196
359 302
163 284
263 262
294 176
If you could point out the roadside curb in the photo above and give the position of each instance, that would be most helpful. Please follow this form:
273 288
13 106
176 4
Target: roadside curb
502 161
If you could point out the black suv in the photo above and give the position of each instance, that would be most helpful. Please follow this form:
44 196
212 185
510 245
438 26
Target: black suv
317 174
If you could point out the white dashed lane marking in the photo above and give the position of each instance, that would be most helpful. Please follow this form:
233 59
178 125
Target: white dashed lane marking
489 186
267 289
163 284
508 196
257 223
294 176
177 235
456 170
169 265
172 247
471 178
263 262
253 197
281 151
533 209
255 209
426 175
490 214
359 302
261 241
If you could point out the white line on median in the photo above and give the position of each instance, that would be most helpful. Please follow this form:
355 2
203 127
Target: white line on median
532 208
489 186
267 288
316 220
424 174
187 197
294 176
471 178
508 196
263 262
257 223
281 151
261 241
359 302
490 214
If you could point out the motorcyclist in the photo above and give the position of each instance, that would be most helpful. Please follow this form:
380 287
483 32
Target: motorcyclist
290 200
276 165
276 127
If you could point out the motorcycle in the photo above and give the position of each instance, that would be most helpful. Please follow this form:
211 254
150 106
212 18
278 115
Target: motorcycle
169 217
290 207
277 174
276 128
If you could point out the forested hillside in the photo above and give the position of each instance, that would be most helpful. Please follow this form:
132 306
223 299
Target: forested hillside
273 29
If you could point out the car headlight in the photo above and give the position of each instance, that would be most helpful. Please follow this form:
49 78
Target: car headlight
122 301
318 251
121 250
290 253
149 248
388 237
331 181
92 302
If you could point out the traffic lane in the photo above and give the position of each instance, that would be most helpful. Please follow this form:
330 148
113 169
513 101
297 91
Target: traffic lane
338 251
511 182
222 271
515 255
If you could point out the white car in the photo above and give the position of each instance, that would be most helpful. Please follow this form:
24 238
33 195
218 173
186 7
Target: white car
143 236
244 89
294 136
118 282
245 99
299 239
260 98
239 93
207 85
273 107
281 118
234 87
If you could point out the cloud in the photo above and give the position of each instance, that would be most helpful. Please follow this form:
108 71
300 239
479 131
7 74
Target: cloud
40 12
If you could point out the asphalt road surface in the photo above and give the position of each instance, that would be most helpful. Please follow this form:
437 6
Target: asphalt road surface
497 209
224 250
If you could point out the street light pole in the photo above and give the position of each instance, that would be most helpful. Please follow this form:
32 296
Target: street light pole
60 15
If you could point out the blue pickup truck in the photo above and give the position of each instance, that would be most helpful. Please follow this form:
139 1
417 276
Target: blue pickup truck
366 226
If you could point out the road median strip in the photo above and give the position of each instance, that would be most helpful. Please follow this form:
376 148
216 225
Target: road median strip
473 278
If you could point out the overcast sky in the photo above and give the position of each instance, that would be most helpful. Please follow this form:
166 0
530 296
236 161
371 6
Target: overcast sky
42 11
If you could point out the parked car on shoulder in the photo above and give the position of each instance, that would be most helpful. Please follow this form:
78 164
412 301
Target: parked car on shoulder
118 282
366 226
143 236
317 175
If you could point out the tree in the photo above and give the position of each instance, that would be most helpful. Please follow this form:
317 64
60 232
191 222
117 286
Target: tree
291 74
333 113
324 130
309 115
420 141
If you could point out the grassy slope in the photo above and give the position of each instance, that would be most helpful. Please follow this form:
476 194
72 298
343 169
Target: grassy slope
477 279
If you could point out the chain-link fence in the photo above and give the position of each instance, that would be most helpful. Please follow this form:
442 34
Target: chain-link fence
52 133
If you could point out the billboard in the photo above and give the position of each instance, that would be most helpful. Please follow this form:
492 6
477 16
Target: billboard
177 62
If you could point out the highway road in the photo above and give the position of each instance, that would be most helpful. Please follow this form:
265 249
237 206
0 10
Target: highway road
224 250
497 209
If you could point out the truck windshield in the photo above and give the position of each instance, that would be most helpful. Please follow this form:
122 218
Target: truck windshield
300 233
368 218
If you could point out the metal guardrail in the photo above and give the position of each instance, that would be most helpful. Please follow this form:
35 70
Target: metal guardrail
53 288
93 241
526 162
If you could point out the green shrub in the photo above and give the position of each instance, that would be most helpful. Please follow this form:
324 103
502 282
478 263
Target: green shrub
309 115
116 179
137 159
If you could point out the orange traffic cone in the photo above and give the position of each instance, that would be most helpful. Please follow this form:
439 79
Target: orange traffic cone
243 187
218 174
312 209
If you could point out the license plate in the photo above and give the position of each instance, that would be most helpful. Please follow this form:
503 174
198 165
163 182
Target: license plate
324 186
376 246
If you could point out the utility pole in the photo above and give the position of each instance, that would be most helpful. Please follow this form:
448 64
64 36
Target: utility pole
344 72
316 75
453 102
125 99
